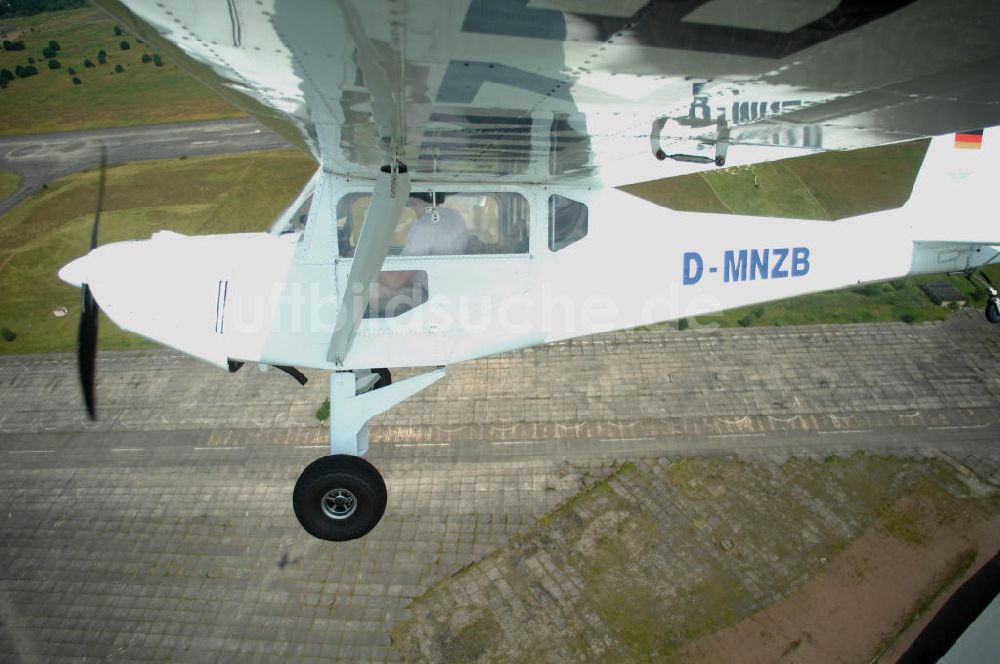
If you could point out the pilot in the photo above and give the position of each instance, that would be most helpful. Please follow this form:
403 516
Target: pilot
438 231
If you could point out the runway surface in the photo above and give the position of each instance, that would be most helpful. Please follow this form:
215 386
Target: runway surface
41 158
165 529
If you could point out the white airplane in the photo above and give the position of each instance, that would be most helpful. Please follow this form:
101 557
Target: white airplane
468 152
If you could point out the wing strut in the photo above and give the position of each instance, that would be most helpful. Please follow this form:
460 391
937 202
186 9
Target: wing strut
392 188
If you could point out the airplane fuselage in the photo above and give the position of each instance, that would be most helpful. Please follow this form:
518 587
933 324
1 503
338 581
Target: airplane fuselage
275 298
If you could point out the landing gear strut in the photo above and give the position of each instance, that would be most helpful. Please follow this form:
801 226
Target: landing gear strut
993 301
343 496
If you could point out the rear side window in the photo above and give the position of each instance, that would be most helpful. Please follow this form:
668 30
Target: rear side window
567 222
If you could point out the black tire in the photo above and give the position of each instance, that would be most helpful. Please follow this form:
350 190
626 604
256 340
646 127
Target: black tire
992 312
384 378
339 498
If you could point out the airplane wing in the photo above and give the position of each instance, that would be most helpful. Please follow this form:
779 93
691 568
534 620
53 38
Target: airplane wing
541 91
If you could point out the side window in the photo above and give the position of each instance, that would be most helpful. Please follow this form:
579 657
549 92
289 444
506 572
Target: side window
497 222
567 222
461 223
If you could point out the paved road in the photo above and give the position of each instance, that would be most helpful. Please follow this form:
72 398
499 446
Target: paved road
165 529
41 158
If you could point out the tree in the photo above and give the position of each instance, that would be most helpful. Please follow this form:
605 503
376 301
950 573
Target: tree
6 75
146 57
31 61
87 64
118 31
156 60
102 57
25 72
54 64
10 8
71 71
76 81
13 45
119 69
54 45
48 52
124 45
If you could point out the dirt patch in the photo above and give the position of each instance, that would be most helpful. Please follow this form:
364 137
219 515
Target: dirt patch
870 601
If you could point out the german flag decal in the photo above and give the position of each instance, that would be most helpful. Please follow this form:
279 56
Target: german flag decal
969 140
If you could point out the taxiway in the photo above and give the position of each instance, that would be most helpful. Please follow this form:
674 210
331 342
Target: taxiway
41 158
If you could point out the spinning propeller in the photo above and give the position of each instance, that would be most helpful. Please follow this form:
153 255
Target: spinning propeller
86 340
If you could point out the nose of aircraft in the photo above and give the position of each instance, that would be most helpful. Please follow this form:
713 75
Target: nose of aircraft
74 273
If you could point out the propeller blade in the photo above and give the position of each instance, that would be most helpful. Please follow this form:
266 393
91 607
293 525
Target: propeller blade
101 179
86 338
86 349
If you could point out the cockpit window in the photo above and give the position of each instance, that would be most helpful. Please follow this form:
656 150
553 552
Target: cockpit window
443 224
396 292
567 222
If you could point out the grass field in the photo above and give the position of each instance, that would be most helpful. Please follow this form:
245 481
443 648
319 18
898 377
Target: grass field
218 194
832 185
142 94
9 182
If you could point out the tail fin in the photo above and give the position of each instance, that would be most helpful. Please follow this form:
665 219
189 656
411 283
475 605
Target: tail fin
955 194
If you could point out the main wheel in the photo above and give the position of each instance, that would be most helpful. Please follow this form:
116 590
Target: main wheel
992 312
384 378
339 497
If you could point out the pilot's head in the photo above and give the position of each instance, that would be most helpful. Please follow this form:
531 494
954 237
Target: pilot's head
421 200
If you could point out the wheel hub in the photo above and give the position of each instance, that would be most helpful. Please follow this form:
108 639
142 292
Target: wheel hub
338 504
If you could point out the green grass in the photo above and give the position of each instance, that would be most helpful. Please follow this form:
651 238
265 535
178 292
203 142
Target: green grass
902 525
900 300
472 640
142 94
219 195
9 182
826 186
767 190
